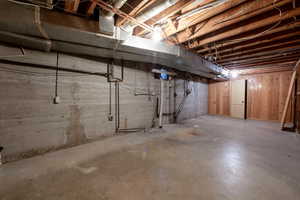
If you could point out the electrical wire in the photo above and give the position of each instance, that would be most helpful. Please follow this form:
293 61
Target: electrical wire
259 34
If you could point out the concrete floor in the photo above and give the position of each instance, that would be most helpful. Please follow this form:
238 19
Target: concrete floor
206 158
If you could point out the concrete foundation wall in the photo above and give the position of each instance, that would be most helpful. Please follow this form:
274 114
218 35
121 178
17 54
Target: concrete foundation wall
31 124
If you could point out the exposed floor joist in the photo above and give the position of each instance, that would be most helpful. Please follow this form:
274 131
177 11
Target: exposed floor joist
222 31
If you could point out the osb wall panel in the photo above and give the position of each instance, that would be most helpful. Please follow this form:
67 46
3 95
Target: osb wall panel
266 94
218 98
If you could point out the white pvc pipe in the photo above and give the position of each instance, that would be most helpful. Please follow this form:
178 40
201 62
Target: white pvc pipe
161 102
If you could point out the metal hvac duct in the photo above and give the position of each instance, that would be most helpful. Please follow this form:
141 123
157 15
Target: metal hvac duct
107 20
117 4
42 29
153 10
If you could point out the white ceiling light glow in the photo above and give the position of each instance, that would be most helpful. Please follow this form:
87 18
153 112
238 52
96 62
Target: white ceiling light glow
234 74
225 72
156 35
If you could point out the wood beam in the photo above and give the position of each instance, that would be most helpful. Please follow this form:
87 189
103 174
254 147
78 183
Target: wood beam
261 58
198 17
281 62
247 10
195 5
252 26
76 5
257 61
253 62
68 5
287 67
162 15
91 8
262 64
289 96
265 70
274 52
72 5
135 8
249 45
261 49
264 37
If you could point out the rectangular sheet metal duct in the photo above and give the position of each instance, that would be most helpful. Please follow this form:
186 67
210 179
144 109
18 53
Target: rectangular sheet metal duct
29 26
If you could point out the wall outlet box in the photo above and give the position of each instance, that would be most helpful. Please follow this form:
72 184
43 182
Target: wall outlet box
56 100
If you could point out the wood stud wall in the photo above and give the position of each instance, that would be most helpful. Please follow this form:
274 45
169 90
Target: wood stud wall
266 94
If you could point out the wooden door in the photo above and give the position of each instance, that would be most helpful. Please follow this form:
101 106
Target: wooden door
237 92
212 99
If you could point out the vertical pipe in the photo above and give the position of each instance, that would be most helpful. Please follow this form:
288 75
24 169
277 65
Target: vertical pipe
175 95
118 84
116 108
170 99
1 148
122 70
161 102
110 117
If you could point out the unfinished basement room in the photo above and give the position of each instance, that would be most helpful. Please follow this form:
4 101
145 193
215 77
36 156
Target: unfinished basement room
149 99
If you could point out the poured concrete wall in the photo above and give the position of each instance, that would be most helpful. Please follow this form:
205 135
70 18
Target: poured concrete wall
31 124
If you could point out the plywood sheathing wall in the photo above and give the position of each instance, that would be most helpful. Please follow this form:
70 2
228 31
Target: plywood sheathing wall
266 94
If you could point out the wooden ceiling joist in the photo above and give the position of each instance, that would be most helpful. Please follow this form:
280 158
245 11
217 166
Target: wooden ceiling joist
260 70
264 37
198 17
133 9
91 8
278 52
279 46
255 25
262 57
237 34
246 10
195 5
263 66
72 5
241 66
255 64
250 45
162 15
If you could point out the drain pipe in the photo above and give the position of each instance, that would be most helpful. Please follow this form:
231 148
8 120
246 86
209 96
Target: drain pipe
1 148
161 102
164 75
